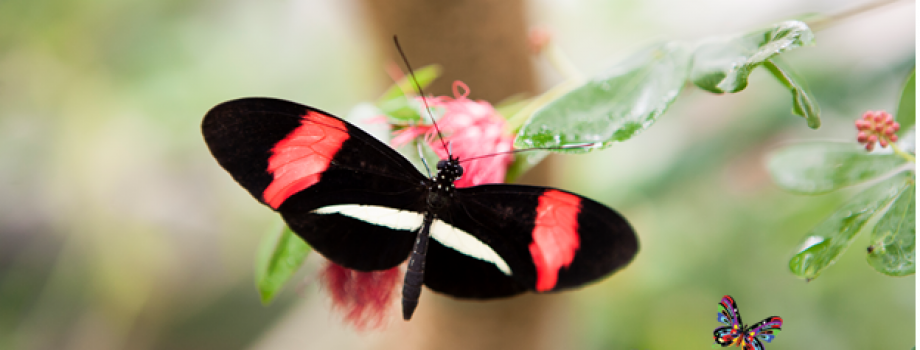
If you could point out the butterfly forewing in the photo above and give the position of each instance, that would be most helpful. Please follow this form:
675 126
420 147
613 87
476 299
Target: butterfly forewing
765 330
731 318
298 160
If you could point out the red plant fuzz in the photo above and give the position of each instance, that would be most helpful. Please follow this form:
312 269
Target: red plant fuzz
363 298
877 126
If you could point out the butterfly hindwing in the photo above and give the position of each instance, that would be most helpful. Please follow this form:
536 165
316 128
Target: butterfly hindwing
729 309
731 318
725 336
549 239
299 160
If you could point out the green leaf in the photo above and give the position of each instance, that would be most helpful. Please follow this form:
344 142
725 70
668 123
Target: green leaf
724 65
400 109
424 76
803 102
819 167
280 255
893 238
612 107
830 238
907 106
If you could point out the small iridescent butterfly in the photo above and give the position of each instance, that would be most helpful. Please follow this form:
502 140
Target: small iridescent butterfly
735 333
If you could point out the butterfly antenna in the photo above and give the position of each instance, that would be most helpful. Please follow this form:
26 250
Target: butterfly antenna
421 93
422 157
580 145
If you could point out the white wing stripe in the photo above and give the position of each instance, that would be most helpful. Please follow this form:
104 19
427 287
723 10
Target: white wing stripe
405 220
467 245
380 216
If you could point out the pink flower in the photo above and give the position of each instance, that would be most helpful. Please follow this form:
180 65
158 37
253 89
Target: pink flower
877 126
472 129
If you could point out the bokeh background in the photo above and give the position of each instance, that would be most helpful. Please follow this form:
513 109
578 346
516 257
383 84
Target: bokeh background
119 231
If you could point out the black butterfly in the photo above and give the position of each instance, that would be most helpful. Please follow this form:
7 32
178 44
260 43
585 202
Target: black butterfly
364 206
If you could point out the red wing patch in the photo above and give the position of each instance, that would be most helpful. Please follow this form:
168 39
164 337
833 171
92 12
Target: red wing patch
298 161
555 236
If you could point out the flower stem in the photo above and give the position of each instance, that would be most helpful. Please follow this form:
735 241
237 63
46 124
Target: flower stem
897 150
833 19
562 63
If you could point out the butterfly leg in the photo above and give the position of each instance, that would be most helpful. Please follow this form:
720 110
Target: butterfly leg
415 273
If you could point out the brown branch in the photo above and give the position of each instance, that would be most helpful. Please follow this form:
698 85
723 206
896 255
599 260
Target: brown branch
834 19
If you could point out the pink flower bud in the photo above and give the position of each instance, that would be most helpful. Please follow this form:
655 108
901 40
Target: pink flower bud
870 146
538 38
862 137
879 127
861 124
894 138
895 127
883 143
473 128
873 138
878 117
867 115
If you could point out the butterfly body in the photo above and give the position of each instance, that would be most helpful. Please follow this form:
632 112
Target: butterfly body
364 206
735 333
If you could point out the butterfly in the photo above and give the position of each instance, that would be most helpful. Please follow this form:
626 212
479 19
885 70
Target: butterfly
736 333
362 205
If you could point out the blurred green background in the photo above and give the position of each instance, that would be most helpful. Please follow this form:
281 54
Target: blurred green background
119 231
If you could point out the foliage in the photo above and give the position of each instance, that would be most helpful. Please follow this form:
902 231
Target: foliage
821 167
830 238
280 255
886 208
906 114
629 97
893 238
614 106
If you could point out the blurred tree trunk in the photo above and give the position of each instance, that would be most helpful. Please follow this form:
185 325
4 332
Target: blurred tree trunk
484 44
481 42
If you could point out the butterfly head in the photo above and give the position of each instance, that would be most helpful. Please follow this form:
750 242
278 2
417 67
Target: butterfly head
449 170
442 188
